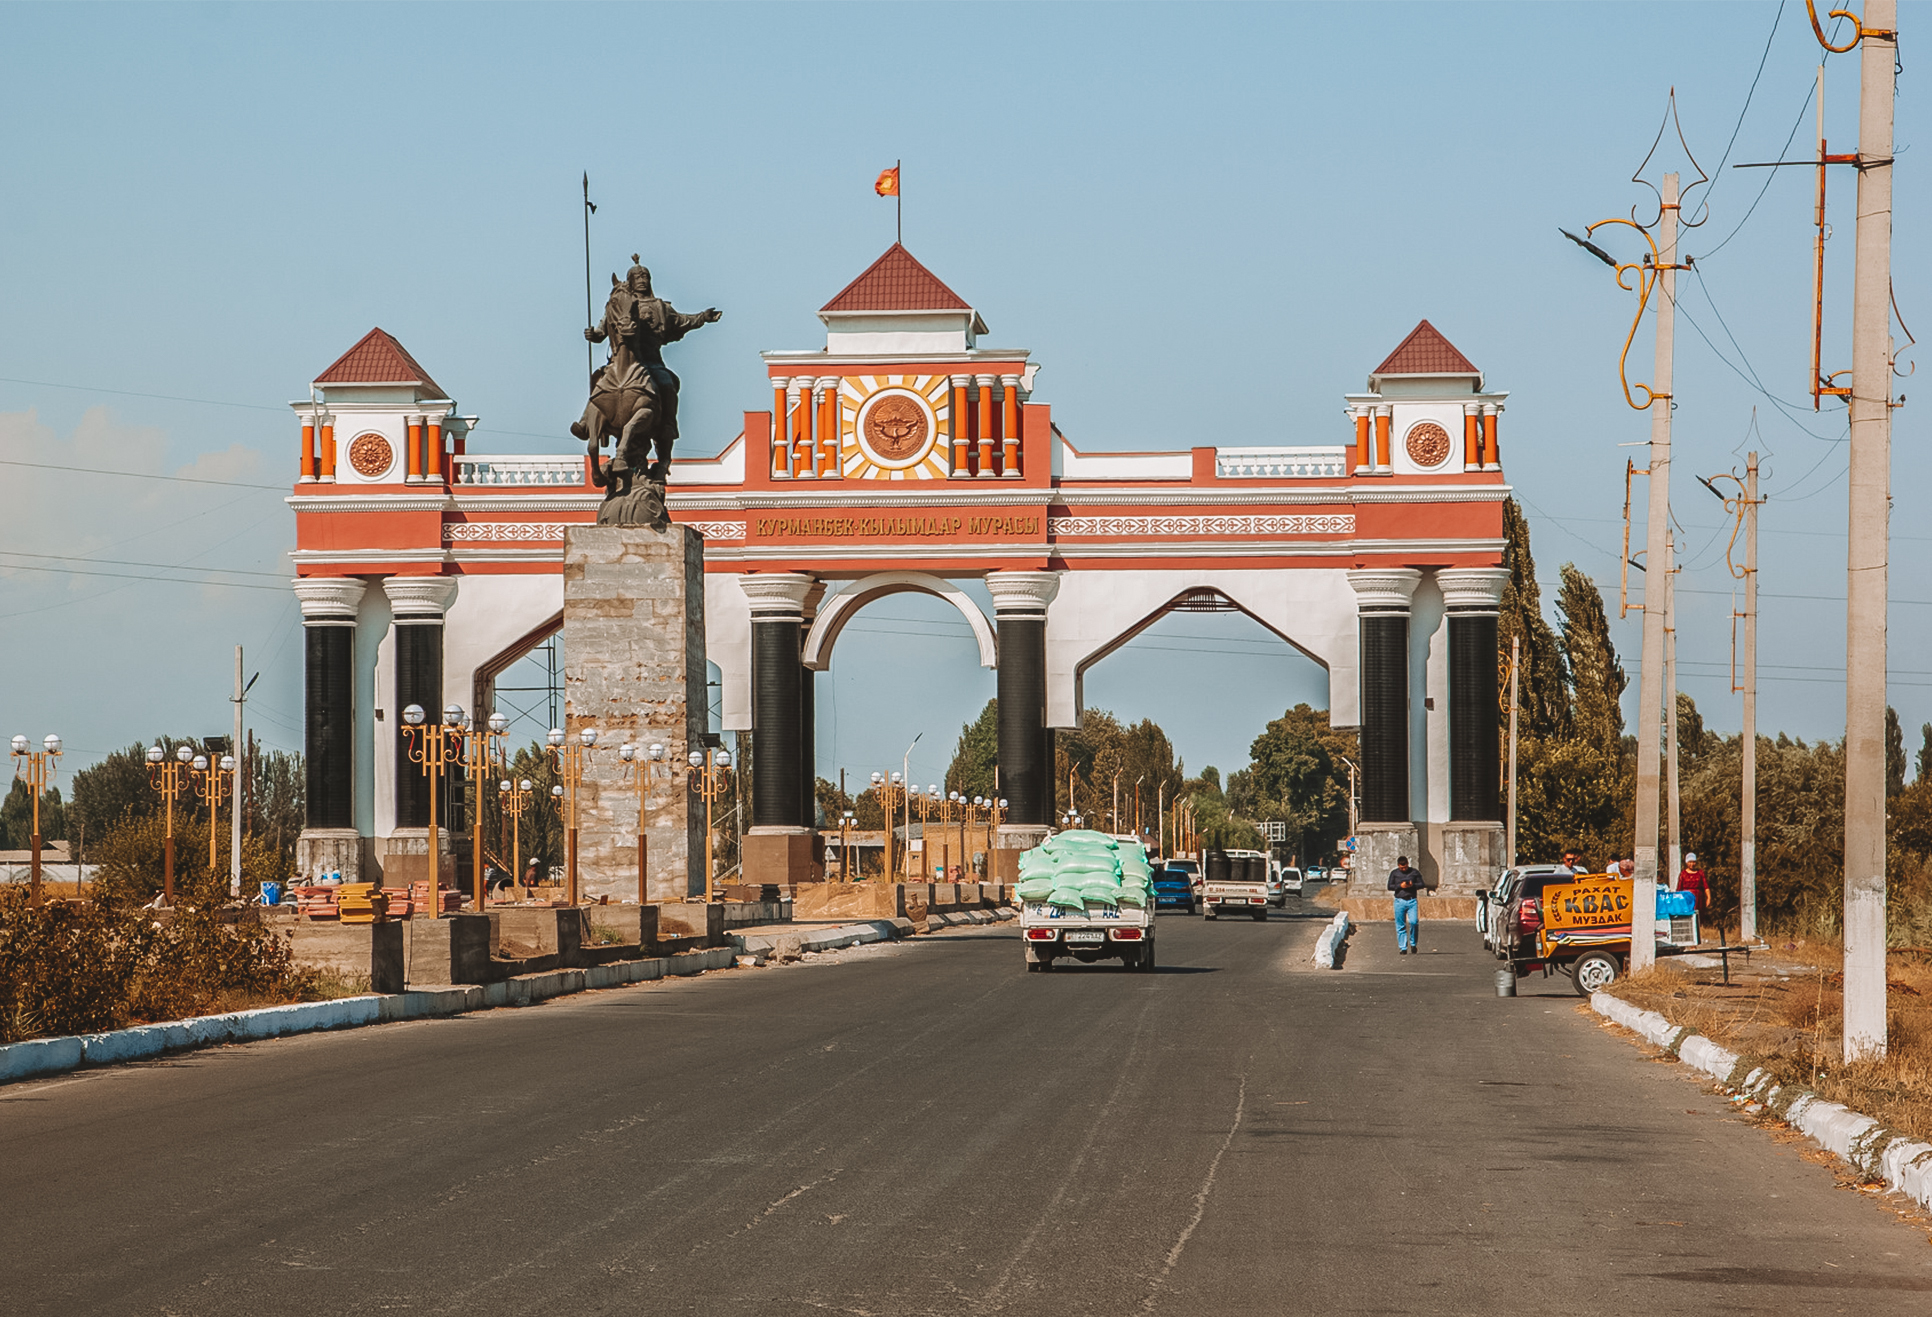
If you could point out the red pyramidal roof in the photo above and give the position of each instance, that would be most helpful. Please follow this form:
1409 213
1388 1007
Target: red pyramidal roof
378 359
1426 352
896 282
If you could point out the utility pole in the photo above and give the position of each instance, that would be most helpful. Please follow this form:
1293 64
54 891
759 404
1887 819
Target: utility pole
241 767
1672 799
1866 549
1515 657
1747 878
1643 914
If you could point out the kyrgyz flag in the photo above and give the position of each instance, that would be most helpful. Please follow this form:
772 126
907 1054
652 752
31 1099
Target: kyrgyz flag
888 184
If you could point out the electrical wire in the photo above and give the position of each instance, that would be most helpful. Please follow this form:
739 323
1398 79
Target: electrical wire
141 475
1769 37
1772 175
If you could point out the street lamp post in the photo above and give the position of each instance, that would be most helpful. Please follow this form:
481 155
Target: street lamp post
515 797
430 744
165 776
845 845
211 784
710 771
35 767
569 754
640 767
478 755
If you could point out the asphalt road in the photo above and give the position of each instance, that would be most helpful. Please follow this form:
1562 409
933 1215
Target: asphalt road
925 1128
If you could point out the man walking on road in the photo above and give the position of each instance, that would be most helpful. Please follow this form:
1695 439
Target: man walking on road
1405 883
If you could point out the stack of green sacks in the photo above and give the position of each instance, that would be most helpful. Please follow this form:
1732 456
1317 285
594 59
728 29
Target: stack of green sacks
1074 869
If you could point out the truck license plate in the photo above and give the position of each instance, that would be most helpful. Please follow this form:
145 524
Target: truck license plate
1095 936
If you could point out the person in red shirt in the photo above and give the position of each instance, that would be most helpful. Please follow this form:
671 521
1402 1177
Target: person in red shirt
1692 880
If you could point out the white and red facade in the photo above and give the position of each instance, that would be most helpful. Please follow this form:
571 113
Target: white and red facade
903 455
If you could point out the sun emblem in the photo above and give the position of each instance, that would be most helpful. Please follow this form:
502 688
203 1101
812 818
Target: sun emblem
371 455
1428 444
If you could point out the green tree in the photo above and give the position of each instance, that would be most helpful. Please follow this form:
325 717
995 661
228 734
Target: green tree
1597 680
1924 773
976 756
17 817
1297 775
114 789
1544 700
1894 754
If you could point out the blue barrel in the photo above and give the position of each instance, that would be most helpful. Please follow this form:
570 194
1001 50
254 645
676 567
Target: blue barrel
271 893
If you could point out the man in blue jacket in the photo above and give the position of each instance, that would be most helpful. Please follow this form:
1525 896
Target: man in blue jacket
1405 882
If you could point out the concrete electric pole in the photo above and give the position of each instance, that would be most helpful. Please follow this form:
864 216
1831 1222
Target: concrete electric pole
1866 560
1747 877
1643 914
1515 658
241 767
1673 822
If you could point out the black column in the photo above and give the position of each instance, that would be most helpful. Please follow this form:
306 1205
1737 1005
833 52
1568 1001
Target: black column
1475 772
807 744
328 739
776 718
1385 716
1024 785
419 680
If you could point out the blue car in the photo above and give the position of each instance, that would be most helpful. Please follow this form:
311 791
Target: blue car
1173 889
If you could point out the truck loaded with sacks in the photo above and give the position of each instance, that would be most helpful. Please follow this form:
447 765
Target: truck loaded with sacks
1086 896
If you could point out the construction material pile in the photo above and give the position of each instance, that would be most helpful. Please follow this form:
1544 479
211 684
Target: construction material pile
1072 869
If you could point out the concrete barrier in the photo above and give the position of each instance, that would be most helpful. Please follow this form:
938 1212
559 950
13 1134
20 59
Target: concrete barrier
1883 1154
39 1057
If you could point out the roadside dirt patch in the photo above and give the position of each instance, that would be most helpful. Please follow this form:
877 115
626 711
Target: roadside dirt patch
1785 1011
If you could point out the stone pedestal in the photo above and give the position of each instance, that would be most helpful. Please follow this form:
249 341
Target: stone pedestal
775 854
453 949
1470 858
633 638
402 859
327 850
1377 847
372 951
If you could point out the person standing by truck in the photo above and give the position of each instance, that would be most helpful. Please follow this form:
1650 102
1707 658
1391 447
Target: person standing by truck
1693 880
1405 882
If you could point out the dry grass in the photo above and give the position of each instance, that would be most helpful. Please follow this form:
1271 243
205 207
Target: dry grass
1785 1011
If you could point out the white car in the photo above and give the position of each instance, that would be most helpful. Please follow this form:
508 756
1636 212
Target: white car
1291 880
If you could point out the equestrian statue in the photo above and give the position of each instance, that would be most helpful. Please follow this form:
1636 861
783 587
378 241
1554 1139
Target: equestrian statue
634 396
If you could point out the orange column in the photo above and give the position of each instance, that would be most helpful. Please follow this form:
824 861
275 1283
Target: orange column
801 394
1491 460
1384 418
413 452
328 449
1009 425
828 427
781 428
959 426
985 424
308 450
1472 443
438 465
1364 459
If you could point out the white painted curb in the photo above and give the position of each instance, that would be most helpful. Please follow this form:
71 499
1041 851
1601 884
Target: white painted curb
1882 1153
51 1056
1332 937
872 930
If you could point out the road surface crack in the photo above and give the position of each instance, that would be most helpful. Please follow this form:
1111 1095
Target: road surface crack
1200 1201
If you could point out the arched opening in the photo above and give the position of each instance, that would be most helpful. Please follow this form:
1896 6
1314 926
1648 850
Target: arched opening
1212 674
895 703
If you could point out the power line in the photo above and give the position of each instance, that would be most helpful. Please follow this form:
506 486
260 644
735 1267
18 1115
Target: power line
141 475
130 393
129 576
122 562
1769 37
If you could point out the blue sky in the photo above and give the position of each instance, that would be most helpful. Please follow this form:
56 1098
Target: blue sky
1207 222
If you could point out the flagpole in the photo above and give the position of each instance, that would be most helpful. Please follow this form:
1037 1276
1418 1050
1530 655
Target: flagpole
899 200
590 351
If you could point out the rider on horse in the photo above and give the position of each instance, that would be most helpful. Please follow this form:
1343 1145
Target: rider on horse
635 396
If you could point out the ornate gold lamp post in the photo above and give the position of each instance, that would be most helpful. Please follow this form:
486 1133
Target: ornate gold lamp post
211 784
710 770
435 746
641 765
34 767
515 798
890 788
479 754
166 775
569 754
929 800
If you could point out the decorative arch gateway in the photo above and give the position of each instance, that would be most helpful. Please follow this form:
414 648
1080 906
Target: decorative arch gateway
905 455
